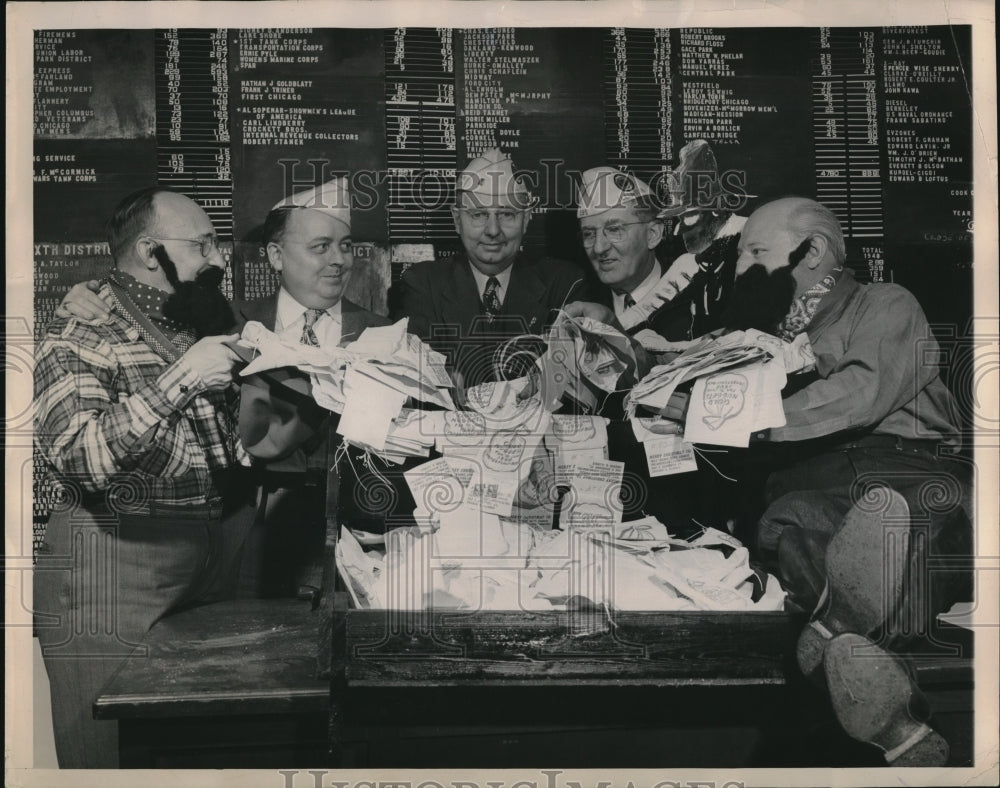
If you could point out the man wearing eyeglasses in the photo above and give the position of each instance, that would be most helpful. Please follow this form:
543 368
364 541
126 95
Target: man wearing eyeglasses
188 268
135 421
620 231
470 305
307 239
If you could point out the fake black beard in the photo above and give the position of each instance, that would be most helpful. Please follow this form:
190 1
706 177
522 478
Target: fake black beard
198 304
760 299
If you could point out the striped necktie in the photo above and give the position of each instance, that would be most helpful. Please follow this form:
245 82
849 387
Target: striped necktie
491 299
308 335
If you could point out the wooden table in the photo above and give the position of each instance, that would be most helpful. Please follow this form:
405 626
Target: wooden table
496 689
233 683
493 689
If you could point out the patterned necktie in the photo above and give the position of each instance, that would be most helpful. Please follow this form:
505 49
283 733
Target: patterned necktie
491 299
629 301
308 335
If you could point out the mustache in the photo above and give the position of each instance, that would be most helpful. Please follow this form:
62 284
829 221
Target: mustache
760 299
210 278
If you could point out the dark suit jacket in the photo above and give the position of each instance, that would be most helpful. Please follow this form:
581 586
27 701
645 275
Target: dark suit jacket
288 414
303 493
444 307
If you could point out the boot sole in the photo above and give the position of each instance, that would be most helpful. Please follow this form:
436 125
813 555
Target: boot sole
871 693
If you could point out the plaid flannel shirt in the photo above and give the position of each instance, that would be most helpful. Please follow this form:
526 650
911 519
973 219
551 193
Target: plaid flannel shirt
115 418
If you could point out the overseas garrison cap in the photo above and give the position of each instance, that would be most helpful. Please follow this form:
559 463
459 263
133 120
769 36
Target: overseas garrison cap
331 198
492 175
604 188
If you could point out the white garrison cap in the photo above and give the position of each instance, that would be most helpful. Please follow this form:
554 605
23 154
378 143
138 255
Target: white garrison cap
491 175
604 188
331 198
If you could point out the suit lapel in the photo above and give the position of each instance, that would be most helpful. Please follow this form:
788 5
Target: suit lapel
264 310
352 321
459 295
525 295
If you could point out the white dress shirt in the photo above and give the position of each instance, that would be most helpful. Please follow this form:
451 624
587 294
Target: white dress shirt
503 280
645 286
291 319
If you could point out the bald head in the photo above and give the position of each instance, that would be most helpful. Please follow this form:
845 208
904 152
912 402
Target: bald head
793 231
155 224
156 212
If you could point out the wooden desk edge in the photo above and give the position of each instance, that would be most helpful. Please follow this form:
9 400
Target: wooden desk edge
284 701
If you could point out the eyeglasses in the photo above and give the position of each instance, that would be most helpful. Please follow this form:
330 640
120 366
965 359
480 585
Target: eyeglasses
478 217
613 232
208 244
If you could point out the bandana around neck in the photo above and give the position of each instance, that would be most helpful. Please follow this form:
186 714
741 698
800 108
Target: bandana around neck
804 307
150 300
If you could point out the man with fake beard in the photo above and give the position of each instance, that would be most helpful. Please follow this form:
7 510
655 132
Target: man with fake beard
862 485
307 240
199 304
134 419
703 203
763 299
849 524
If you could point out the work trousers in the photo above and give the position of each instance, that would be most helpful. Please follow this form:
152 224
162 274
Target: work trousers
100 582
813 495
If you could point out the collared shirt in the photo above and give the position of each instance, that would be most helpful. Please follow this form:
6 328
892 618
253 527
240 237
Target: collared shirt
291 318
645 286
875 357
113 417
503 281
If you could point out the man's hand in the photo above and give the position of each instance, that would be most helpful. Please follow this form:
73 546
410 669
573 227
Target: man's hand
213 361
598 312
605 315
83 302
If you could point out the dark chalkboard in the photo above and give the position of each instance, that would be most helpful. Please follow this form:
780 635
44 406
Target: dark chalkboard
874 122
